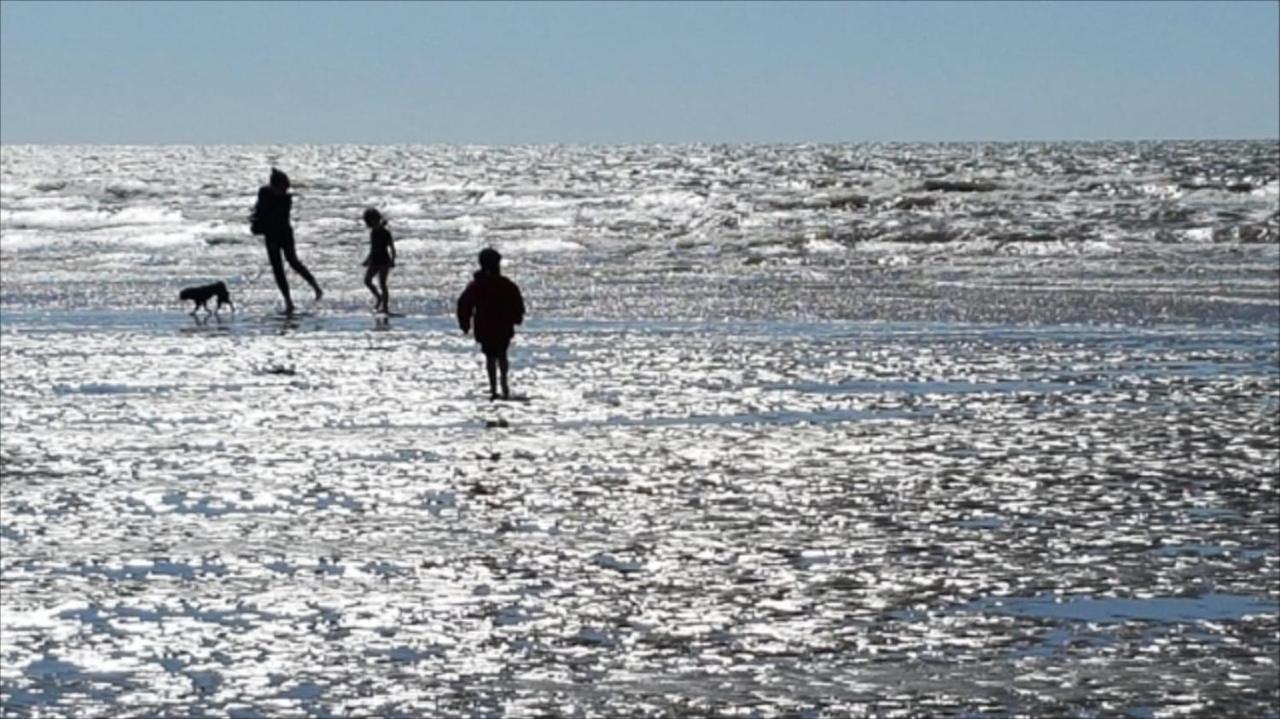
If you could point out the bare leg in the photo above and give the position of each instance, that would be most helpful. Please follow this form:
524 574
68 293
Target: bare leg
368 282
277 269
386 298
490 366
503 366
291 255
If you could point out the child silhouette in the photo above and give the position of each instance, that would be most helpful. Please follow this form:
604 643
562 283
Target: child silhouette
382 257
494 305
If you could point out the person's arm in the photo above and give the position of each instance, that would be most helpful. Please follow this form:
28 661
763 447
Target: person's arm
260 206
519 305
466 304
391 247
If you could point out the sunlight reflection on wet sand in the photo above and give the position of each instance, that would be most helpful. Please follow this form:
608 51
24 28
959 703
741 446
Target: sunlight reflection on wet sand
681 517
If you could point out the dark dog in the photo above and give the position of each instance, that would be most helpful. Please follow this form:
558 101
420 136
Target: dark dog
202 294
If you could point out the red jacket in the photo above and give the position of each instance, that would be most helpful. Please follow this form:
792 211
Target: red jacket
496 304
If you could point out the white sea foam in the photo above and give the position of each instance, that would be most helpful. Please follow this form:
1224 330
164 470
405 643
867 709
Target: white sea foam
1198 234
12 241
64 219
399 209
176 239
542 244
824 246
467 224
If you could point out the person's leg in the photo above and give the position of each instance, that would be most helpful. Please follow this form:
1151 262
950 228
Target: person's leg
490 366
291 254
503 366
386 298
368 282
277 269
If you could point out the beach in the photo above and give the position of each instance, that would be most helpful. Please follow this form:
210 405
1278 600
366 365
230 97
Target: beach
974 429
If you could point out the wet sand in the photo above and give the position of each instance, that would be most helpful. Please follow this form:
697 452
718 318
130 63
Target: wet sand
749 517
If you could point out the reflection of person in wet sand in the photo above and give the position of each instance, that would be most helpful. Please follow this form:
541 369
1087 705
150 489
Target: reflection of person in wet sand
382 257
271 220
497 307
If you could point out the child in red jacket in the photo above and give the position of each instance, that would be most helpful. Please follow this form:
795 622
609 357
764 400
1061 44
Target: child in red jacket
497 307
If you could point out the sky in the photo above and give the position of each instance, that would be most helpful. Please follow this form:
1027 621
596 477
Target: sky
648 72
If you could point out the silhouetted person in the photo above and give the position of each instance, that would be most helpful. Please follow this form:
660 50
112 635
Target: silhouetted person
382 257
497 307
271 220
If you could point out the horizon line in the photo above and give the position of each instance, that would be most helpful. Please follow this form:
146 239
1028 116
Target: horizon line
684 143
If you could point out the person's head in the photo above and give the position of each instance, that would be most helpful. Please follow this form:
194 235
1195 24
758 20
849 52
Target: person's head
490 260
373 218
279 181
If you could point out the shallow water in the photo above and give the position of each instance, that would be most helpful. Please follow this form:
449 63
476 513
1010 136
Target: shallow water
996 233
896 479
873 516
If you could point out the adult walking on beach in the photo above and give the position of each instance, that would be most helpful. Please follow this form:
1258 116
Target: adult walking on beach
271 220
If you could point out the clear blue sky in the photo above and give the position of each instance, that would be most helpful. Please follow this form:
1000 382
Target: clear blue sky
245 72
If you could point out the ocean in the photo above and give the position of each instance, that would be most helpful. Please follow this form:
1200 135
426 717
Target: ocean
799 430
